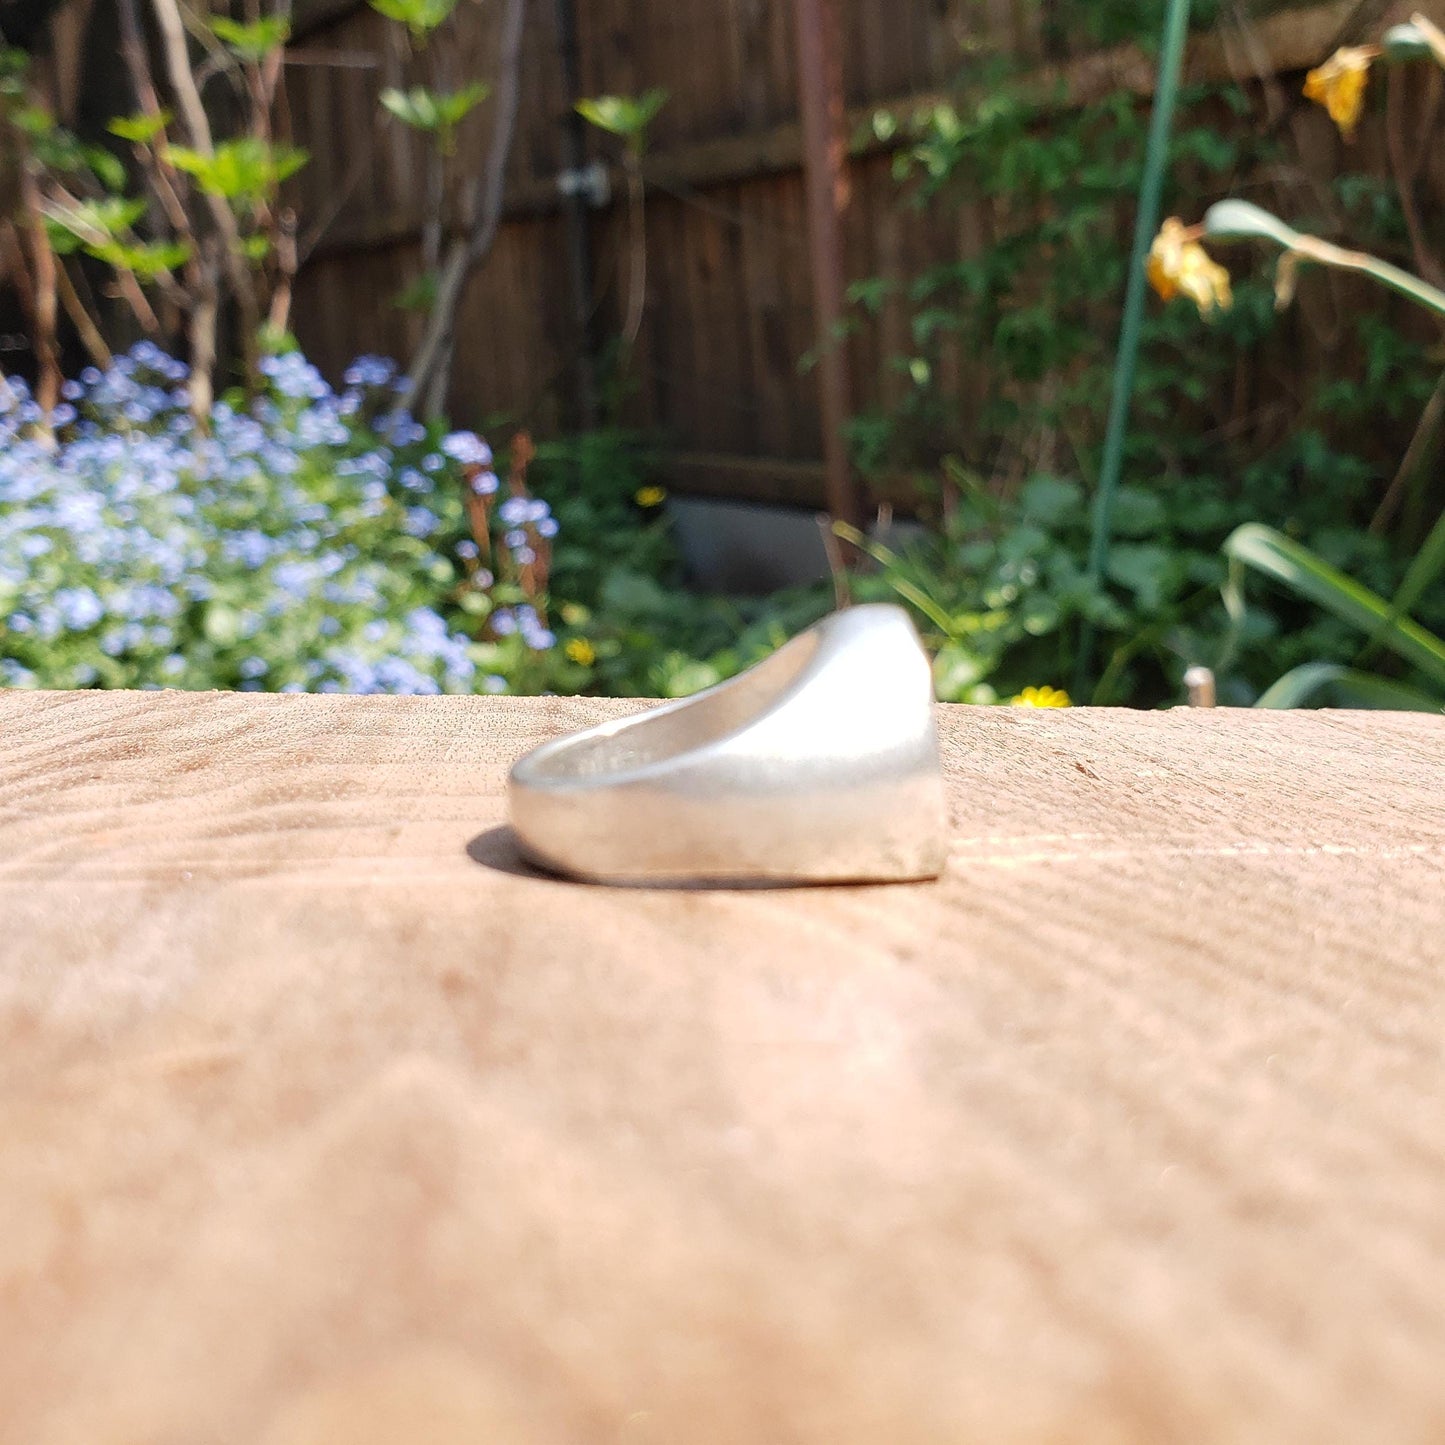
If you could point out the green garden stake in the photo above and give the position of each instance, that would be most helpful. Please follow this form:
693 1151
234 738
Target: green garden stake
1171 60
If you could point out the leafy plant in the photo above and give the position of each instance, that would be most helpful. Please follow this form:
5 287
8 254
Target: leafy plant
1297 568
247 170
306 541
420 17
252 41
436 112
629 118
1340 85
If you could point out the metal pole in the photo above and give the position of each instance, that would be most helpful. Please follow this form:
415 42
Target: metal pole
820 103
578 224
1156 155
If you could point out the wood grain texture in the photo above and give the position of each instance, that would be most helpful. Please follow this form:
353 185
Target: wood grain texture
321 1120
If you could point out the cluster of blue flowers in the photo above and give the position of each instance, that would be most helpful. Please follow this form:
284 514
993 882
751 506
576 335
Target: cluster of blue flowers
310 540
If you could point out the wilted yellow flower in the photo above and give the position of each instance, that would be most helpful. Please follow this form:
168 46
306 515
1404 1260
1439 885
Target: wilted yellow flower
1178 263
1339 84
1041 697
581 651
650 496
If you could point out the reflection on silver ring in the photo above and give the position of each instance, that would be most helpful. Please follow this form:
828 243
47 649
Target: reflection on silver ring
818 765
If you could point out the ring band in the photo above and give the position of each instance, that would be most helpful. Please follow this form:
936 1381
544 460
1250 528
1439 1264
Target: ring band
818 765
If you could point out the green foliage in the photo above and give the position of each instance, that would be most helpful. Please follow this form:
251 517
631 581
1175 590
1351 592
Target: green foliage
625 607
627 116
1038 301
1000 589
420 17
1313 682
253 41
140 129
247 169
436 112
1301 571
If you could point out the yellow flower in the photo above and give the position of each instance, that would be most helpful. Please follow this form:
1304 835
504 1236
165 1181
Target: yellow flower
1041 697
1178 263
580 650
1339 85
650 496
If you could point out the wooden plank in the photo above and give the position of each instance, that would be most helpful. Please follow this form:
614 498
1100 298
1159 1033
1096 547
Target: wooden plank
1292 41
323 1119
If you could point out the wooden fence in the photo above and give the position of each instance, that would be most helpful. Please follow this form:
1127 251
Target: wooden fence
729 309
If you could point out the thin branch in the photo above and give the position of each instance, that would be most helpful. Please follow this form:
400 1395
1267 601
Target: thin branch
81 318
433 356
178 63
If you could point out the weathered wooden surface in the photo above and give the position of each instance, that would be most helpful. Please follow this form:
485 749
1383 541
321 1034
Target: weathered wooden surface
729 309
320 1121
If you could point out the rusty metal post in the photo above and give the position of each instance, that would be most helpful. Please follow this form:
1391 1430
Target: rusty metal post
825 155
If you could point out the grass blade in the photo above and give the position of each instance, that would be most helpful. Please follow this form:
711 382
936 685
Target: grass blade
1347 688
1296 567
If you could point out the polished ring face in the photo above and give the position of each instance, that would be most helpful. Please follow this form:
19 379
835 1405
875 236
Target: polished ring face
818 765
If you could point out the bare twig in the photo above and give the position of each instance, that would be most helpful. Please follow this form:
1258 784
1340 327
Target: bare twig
38 293
1405 174
433 356
198 127
81 318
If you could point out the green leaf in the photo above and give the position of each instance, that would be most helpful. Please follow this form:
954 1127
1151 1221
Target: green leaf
94 221
1347 687
247 169
434 111
421 17
1429 564
1138 513
419 294
256 248
1297 568
146 260
108 170
1050 501
141 129
253 41
623 115
1151 573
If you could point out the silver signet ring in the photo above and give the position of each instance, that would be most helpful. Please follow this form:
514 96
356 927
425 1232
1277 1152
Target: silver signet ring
818 765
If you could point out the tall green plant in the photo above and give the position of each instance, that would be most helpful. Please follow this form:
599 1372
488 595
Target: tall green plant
1178 257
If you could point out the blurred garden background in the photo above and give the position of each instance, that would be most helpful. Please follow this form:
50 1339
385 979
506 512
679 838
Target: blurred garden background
600 345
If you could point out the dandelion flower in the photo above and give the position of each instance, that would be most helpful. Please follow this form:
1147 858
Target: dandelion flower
581 651
650 496
1041 697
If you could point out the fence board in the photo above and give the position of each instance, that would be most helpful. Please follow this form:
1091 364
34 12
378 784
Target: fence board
729 305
